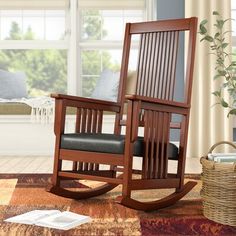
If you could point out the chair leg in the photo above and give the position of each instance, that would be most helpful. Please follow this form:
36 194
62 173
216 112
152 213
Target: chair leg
127 175
56 168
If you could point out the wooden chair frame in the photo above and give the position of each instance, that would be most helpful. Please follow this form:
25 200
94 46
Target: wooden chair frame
153 113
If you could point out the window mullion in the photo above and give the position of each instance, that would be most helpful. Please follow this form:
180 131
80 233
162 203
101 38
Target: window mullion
74 83
33 44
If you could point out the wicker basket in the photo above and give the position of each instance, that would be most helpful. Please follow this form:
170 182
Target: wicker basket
219 189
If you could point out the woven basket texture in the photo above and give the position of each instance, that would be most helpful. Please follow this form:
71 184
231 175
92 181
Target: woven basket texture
219 191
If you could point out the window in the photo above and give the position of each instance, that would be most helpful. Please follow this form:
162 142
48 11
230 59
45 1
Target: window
101 26
33 44
64 45
101 42
32 24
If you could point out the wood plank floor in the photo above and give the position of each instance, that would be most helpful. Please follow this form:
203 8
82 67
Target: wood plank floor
44 164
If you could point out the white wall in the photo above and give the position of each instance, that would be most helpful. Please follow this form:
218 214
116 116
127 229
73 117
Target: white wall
19 136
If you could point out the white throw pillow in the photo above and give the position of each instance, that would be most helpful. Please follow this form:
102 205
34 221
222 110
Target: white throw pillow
12 85
107 86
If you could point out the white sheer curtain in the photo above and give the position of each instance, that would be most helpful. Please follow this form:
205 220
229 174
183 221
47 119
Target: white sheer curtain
208 124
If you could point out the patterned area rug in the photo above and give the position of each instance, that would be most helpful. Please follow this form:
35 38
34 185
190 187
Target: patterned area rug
20 193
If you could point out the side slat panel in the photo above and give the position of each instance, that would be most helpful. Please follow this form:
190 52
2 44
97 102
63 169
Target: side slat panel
156 141
88 121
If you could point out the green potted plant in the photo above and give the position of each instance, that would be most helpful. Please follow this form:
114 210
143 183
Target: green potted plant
225 66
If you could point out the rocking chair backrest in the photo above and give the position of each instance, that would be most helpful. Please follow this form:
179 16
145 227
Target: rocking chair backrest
156 68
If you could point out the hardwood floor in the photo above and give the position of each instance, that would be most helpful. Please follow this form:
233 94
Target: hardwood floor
44 164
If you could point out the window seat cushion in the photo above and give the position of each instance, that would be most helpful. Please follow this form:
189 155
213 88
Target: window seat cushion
14 108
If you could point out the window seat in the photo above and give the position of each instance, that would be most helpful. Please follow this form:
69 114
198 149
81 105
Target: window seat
41 109
14 108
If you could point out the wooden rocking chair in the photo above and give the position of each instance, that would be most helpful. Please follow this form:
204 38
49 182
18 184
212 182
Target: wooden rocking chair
151 107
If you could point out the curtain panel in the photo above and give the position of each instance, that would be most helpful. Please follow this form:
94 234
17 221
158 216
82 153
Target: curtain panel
208 122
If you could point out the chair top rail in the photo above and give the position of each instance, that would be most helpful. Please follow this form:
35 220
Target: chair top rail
162 25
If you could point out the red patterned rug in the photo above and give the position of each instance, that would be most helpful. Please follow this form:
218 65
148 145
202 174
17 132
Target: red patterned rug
20 193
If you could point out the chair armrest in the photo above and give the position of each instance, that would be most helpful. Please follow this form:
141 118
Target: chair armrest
83 99
157 101
76 101
159 104
63 101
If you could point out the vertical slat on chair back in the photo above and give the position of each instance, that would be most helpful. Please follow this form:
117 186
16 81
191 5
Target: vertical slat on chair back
157 64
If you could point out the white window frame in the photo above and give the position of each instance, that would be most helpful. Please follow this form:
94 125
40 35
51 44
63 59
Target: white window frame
34 5
74 78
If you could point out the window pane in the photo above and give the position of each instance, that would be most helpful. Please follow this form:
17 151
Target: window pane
45 70
11 25
233 4
133 16
93 63
107 24
89 83
91 25
112 25
32 24
55 25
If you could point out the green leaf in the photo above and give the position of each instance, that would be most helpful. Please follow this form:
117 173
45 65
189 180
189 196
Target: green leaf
220 60
230 68
231 91
224 45
208 38
224 103
216 77
219 24
224 85
233 63
216 13
217 93
227 20
203 29
228 31
232 112
203 22
216 35
221 72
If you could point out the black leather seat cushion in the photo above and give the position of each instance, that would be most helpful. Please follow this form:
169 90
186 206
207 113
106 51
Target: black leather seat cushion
107 143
